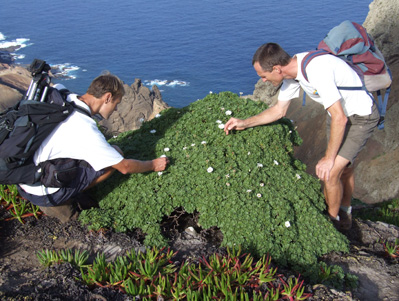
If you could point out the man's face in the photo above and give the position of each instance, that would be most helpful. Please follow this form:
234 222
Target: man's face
274 76
109 106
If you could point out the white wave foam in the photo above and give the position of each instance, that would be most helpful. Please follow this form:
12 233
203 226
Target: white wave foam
166 82
17 43
64 71
18 56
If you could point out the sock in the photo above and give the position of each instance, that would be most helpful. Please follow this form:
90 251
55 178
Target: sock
335 219
346 209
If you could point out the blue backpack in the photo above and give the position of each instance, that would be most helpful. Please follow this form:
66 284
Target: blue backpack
351 42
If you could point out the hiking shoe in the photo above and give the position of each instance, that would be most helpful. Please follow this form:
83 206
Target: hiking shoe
345 220
64 213
84 201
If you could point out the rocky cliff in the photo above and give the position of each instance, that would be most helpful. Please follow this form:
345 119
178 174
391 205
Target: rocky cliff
377 167
138 105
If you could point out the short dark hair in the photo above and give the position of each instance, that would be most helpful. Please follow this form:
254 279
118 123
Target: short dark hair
269 55
106 83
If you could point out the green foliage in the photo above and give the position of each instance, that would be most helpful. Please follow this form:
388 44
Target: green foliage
151 275
387 212
392 248
247 183
334 276
18 207
77 258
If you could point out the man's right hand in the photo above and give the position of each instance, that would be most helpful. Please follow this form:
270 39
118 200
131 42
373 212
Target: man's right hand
160 164
234 124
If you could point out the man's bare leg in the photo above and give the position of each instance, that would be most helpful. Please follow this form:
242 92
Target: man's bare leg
348 181
334 187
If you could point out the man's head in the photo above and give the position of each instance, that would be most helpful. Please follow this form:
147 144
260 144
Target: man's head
268 60
108 90
106 83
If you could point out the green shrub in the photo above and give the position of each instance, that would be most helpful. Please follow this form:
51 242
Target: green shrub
387 212
248 183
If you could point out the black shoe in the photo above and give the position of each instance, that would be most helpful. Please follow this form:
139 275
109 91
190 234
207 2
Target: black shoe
345 220
84 201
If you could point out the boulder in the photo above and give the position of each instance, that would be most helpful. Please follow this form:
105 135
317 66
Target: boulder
138 105
14 82
377 166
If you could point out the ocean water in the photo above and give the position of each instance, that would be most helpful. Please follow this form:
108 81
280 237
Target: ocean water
187 48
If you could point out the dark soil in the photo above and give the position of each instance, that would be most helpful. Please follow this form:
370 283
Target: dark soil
23 278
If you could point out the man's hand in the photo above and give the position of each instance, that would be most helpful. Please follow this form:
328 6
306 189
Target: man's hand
160 163
323 168
233 124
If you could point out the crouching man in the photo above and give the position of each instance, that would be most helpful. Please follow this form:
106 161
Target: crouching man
78 138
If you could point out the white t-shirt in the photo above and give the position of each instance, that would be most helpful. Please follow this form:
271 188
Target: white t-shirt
326 73
78 138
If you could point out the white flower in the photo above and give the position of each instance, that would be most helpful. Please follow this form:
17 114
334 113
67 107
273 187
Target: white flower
184 148
249 153
193 144
287 224
260 165
275 162
298 176
259 195
153 131
227 184
262 184
221 126
166 149
160 173
227 176
249 190
241 93
141 120
115 136
228 112
218 121
210 169
290 132
210 92
203 142
158 115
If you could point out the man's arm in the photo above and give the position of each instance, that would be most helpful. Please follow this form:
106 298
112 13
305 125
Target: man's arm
267 116
128 166
337 131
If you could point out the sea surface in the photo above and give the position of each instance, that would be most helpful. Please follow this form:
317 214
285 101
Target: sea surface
187 48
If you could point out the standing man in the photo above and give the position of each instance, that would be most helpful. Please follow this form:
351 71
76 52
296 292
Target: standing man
352 117
79 138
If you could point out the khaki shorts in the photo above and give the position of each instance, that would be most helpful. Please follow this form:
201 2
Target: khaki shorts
358 130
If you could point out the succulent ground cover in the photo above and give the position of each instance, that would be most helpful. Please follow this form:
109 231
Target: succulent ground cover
248 183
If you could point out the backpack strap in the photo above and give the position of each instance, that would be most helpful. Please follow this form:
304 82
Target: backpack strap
306 60
80 109
64 93
382 103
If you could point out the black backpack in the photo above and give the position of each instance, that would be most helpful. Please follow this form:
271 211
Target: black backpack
24 126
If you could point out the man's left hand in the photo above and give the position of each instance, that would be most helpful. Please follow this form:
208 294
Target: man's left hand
323 168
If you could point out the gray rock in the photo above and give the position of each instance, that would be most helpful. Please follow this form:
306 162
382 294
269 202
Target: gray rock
138 105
